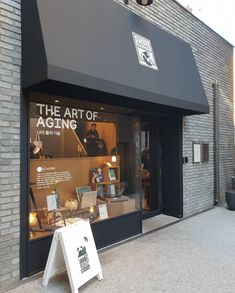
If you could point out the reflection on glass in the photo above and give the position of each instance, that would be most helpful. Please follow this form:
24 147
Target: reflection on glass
145 167
83 165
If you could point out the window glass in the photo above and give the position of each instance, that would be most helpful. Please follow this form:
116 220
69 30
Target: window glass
84 164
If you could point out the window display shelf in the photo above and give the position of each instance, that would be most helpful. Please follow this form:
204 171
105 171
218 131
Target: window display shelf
115 206
107 182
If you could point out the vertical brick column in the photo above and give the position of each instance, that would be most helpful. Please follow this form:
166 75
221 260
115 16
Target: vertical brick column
10 65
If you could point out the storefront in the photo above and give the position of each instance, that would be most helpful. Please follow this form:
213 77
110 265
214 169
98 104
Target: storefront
104 93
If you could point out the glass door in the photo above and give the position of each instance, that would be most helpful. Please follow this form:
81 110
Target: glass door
150 168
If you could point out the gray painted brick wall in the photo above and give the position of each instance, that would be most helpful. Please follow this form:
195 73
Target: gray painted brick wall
10 61
213 56
214 60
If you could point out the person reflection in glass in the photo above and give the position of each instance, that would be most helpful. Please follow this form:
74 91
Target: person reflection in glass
145 159
92 134
92 137
145 178
101 148
94 145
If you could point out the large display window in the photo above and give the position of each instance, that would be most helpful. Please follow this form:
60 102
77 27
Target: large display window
84 164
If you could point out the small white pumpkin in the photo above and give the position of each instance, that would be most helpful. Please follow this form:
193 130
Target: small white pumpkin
71 204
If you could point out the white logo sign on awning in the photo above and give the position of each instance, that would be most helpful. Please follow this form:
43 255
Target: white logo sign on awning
144 51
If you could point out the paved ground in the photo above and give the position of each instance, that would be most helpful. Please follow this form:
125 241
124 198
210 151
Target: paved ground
195 255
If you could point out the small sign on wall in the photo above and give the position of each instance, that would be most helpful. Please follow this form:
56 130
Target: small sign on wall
200 152
196 152
73 249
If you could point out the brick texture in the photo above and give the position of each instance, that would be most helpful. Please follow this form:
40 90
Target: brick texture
214 57
10 61
214 60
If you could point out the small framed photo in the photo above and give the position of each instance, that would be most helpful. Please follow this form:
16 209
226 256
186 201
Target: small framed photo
112 175
103 211
96 175
51 202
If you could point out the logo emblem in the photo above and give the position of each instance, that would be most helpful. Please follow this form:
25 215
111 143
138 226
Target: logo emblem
144 51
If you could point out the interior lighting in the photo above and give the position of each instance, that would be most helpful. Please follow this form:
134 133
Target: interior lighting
114 159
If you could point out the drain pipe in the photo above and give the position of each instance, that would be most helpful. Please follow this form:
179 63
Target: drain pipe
215 86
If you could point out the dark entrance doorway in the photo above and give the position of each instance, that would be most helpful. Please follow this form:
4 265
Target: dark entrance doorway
150 168
161 166
170 133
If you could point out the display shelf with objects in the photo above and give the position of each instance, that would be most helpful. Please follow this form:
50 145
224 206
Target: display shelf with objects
85 169
107 179
119 205
81 191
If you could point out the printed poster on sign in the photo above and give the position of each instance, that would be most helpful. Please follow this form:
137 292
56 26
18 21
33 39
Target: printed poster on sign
144 51
79 254
81 251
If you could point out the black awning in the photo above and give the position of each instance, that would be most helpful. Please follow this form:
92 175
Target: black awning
91 44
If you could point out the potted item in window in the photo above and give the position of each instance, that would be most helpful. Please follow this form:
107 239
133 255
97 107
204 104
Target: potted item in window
71 204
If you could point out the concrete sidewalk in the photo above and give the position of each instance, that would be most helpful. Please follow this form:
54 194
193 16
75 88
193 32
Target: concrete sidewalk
195 255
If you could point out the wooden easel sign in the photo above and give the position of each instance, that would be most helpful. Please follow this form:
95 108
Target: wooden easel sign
73 249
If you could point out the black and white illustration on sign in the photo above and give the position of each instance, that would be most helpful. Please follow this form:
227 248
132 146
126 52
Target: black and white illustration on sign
144 51
83 257
73 249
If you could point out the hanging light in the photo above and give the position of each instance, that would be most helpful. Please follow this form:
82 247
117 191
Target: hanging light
141 2
144 2
114 159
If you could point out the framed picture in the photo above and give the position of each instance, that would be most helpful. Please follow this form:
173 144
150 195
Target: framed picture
51 202
96 175
112 175
103 212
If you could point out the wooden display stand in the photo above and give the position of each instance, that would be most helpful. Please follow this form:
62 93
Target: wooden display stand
116 171
108 180
76 169
119 206
111 176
